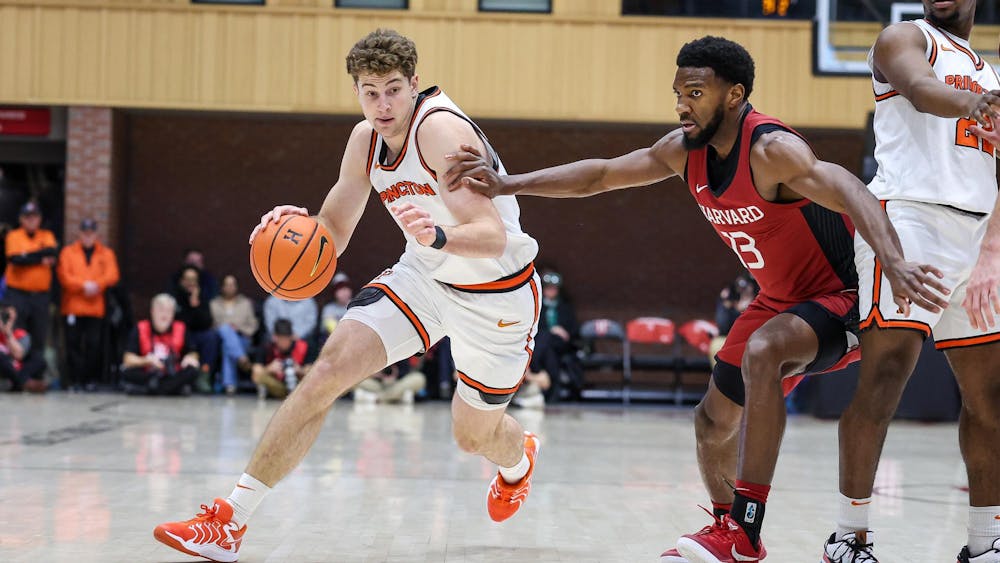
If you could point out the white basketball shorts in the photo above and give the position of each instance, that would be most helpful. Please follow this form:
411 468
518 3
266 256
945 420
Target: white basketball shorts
941 236
491 325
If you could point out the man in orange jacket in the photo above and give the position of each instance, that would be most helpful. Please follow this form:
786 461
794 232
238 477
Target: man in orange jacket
31 253
86 269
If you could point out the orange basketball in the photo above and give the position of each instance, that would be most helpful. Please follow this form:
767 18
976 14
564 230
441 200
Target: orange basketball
293 259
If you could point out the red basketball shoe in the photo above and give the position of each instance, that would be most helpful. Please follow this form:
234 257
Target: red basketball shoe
723 542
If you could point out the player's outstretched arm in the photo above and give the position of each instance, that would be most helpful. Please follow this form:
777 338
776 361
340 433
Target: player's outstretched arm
467 168
900 59
784 159
345 202
479 232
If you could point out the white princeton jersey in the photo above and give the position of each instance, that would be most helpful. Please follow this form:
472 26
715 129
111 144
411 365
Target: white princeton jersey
408 180
923 157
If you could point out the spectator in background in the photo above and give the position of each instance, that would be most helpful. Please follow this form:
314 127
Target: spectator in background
159 358
86 269
394 384
18 369
236 324
193 310
208 283
336 309
302 315
733 300
281 362
557 328
31 253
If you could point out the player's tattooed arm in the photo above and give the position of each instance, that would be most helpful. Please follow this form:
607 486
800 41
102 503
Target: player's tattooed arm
900 60
583 178
785 167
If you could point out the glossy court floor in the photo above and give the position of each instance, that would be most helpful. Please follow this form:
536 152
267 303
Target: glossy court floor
85 478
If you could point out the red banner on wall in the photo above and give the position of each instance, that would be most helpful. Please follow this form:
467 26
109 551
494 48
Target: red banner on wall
25 121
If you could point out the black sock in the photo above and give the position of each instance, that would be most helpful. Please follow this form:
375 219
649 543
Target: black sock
749 514
720 512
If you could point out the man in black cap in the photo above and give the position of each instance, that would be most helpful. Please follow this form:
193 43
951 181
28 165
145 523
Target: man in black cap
86 269
31 253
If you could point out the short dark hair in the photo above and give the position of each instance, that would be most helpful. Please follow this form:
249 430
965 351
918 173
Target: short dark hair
282 327
728 59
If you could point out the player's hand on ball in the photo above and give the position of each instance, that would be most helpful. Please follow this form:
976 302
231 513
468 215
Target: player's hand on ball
913 283
416 221
275 216
470 170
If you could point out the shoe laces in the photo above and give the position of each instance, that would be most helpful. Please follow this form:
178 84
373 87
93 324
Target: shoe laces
716 524
208 514
860 552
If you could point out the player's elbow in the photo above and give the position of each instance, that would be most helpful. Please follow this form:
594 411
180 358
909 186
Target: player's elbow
495 243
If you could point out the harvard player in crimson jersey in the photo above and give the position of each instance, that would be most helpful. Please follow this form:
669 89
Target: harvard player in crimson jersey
788 217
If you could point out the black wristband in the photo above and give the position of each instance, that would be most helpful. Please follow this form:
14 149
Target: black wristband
439 239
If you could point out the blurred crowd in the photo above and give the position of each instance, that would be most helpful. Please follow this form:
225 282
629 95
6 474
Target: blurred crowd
201 334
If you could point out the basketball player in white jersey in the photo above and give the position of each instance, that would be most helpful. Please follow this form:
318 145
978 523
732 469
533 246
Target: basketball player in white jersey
466 273
937 182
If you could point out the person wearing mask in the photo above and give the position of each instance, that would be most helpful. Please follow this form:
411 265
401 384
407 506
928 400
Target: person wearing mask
557 328
86 269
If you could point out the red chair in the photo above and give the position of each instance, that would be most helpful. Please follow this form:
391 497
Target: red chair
655 347
699 334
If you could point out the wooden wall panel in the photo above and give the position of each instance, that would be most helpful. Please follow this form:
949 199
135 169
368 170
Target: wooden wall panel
575 64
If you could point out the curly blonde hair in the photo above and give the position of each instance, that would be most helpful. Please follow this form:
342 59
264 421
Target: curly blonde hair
381 52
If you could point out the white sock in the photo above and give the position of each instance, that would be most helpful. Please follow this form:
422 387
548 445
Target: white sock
514 474
984 528
852 516
245 497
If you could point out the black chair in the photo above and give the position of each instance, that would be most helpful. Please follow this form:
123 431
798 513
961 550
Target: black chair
603 347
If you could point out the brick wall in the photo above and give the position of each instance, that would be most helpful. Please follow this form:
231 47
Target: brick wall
89 172
204 180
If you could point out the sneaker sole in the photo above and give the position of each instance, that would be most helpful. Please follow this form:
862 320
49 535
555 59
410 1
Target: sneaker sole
694 552
165 538
673 559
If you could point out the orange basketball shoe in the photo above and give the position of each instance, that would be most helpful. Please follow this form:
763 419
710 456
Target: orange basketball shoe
210 534
503 498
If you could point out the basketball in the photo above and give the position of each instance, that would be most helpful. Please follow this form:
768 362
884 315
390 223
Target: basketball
293 259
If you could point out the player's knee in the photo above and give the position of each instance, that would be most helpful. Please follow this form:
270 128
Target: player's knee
983 408
763 360
257 375
468 440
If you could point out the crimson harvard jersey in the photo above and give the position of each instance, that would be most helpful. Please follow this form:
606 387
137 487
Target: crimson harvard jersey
797 250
